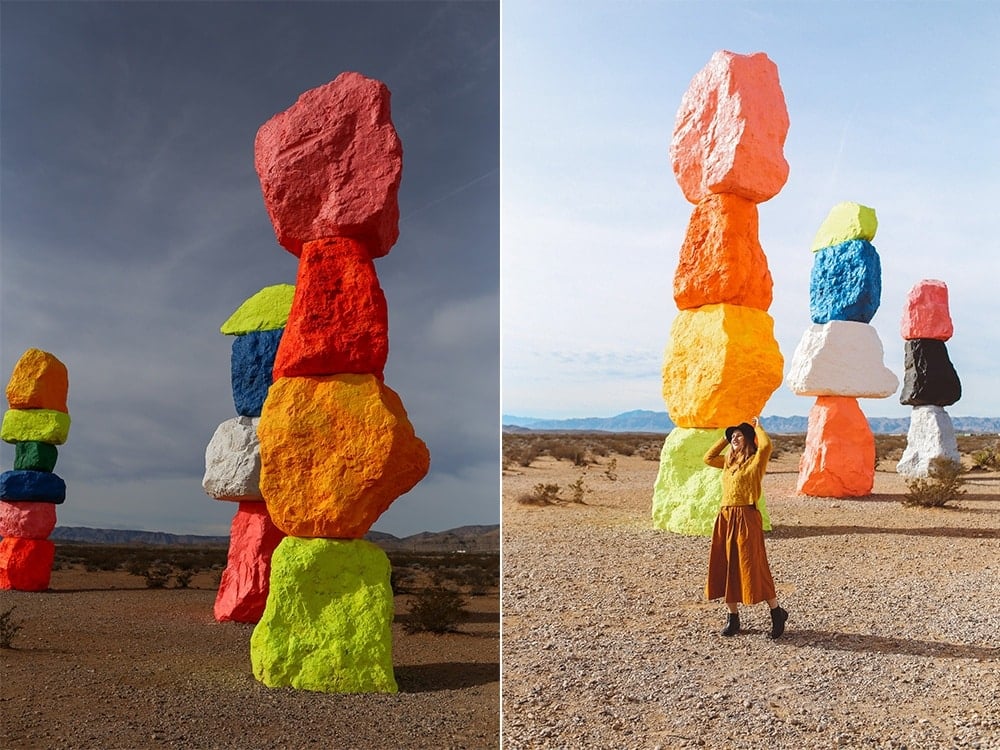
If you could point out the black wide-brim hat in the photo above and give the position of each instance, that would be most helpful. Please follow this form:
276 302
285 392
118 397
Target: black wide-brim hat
746 429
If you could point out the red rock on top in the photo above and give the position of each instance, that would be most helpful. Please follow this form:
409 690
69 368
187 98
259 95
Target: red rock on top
39 381
925 313
330 166
339 321
730 130
721 259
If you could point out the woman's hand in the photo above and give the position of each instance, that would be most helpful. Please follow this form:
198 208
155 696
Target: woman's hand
754 421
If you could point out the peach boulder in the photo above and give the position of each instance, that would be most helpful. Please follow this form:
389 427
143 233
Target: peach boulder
722 361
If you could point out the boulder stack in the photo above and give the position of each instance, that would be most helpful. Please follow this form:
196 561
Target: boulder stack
37 421
722 362
232 458
336 444
930 382
839 358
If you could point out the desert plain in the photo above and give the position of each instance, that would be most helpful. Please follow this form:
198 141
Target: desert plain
104 663
893 639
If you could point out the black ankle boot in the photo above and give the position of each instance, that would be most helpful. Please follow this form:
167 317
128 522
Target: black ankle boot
732 625
778 618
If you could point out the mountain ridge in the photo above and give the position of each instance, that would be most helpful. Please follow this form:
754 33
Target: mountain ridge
645 420
472 538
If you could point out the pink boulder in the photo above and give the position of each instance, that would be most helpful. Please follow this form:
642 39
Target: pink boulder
839 457
244 586
26 519
26 564
925 312
339 321
730 130
330 166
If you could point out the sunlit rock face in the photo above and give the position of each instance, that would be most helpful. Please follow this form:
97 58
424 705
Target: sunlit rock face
729 135
839 456
330 166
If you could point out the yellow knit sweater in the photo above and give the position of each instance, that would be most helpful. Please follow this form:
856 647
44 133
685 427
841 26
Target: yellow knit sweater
741 485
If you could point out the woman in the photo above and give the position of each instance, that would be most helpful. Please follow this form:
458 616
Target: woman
737 565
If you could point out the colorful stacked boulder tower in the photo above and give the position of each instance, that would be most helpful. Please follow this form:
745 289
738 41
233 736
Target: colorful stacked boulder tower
37 421
930 382
232 458
839 358
336 445
722 362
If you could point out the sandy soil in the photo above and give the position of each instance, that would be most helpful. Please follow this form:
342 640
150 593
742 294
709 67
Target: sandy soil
893 639
103 662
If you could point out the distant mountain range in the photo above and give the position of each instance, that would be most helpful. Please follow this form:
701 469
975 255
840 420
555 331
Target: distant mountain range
467 538
643 420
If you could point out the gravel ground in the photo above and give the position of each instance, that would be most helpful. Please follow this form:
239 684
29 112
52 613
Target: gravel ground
102 664
892 640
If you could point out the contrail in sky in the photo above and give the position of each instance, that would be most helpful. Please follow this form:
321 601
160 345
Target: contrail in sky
452 194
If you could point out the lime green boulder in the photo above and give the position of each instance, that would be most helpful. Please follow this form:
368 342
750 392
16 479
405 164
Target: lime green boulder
39 425
846 221
327 625
687 492
267 310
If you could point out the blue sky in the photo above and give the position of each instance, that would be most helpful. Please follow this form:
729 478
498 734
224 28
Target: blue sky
132 225
895 105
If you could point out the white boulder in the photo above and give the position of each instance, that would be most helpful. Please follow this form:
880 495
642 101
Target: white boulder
840 358
931 436
232 461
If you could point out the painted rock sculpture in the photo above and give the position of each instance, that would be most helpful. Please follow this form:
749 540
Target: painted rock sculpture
336 444
37 421
839 358
232 457
930 382
722 362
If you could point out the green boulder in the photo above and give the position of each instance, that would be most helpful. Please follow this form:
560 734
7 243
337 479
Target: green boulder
327 625
35 456
687 492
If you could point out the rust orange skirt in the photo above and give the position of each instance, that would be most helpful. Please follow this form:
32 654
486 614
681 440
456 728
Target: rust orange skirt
737 564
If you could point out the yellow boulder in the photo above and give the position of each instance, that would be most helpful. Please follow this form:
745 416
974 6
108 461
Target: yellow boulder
335 451
721 365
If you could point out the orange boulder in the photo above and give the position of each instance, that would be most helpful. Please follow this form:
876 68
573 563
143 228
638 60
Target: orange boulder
339 321
839 457
39 381
721 259
335 452
721 365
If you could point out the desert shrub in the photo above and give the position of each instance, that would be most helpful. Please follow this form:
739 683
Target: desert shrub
157 576
8 628
436 609
183 577
986 459
569 451
944 483
577 490
400 580
542 494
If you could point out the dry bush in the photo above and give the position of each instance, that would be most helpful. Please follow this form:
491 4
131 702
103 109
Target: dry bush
986 458
944 484
542 494
8 628
436 609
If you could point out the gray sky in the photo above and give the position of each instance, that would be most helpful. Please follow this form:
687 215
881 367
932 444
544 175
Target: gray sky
895 105
132 226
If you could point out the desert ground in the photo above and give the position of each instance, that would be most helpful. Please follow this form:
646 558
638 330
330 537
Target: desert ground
102 662
893 639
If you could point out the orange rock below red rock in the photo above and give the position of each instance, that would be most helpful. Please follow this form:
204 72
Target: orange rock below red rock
339 321
26 564
721 259
730 130
39 381
839 457
721 365
335 452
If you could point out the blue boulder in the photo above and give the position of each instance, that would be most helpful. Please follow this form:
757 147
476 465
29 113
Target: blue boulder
846 283
252 363
25 485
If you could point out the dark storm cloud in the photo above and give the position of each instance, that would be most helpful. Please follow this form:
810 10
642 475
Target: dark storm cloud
132 225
